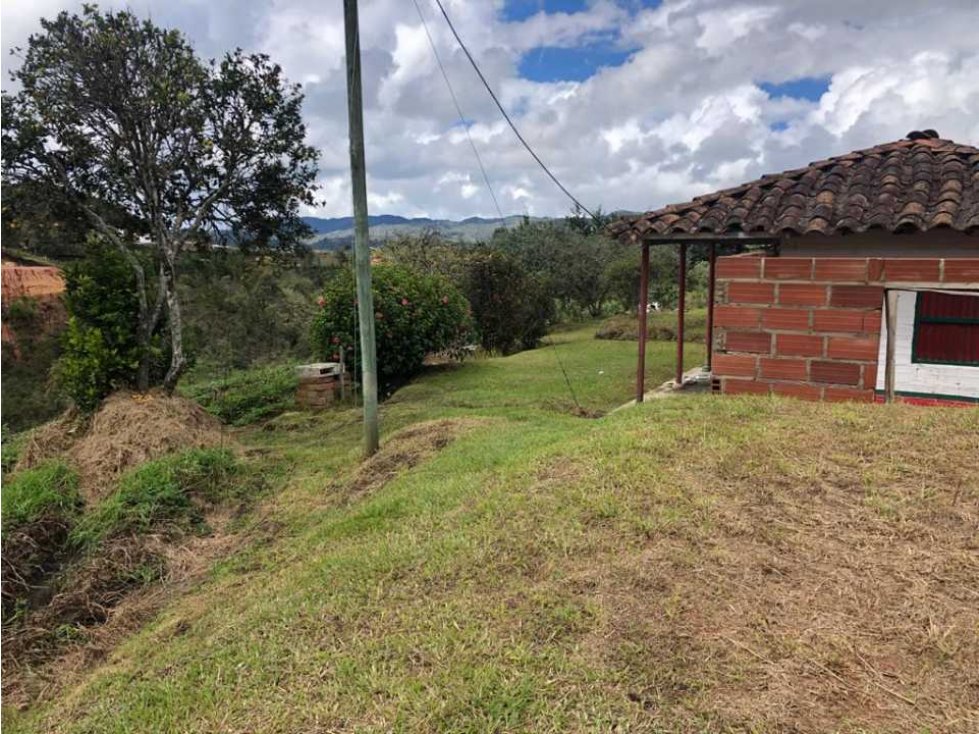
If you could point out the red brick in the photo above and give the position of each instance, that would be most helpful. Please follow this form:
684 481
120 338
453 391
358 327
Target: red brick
744 387
964 270
837 373
790 319
796 390
738 267
798 345
840 394
739 316
852 347
839 321
856 296
750 293
869 376
783 369
788 268
909 269
871 322
875 269
734 365
748 341
841 269
801 294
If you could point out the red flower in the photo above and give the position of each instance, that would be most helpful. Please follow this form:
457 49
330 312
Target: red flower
404 301
321 301
445 300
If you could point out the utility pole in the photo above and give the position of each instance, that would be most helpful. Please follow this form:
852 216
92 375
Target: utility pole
362 250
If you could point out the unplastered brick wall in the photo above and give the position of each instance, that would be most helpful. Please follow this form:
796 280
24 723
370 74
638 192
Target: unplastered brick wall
810 327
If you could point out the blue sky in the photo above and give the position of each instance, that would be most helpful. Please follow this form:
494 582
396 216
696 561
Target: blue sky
807 87
553 63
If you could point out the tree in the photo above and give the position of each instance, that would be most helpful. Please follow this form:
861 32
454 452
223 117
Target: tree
117 115
416 314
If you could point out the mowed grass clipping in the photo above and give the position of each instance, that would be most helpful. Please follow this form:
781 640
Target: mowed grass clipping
691 565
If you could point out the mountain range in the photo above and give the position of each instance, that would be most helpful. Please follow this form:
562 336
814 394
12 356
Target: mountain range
338 232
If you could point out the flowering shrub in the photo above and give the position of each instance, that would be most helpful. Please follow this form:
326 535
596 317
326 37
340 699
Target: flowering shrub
414 315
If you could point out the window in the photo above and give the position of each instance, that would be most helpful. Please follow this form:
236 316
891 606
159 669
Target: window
946 329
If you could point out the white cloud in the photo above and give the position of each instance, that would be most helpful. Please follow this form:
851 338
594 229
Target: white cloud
683 116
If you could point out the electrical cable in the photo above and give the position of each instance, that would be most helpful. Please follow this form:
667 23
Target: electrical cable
462 117
506 117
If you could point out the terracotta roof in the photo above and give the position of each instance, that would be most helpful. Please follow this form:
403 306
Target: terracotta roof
909 185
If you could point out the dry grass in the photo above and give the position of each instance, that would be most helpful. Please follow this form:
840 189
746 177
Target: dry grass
820 575
403 450
127 430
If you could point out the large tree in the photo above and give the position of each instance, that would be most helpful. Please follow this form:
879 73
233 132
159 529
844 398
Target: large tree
114 114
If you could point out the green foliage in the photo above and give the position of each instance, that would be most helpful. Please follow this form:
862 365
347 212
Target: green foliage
246 396
49 490
101 350
513 309
115 114
241 310
414 314
157 493
568 261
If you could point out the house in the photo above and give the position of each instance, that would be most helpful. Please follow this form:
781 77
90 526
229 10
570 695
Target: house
864 283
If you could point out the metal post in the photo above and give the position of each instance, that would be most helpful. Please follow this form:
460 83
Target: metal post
890 310
358 175
712 265
680 307
643 307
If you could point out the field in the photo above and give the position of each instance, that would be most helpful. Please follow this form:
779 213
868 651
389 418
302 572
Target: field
511 561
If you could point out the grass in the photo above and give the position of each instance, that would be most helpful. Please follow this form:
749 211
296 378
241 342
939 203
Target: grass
46 491
692 565
162 492
245 396
660 326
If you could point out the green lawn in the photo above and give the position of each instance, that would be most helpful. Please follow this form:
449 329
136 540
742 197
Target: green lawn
692 565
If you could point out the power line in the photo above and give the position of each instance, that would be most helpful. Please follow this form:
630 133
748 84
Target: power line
504 112
462 117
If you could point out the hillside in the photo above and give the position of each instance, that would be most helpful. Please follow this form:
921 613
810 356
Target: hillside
338 232
696 564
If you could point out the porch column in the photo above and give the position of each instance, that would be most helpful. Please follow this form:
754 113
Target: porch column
712 264
643 306
680 307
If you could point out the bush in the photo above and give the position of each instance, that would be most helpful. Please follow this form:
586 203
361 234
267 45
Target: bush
100 349
414 315
159 492
247 396
49 490
513 309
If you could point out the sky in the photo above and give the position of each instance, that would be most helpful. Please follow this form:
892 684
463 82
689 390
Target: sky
633 104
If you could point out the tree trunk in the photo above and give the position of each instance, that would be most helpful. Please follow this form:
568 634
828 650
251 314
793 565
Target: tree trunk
177 361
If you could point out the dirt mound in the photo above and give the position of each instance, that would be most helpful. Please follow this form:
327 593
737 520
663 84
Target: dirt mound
126 431
405 449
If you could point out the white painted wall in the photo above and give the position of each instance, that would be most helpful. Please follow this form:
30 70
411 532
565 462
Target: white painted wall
940 380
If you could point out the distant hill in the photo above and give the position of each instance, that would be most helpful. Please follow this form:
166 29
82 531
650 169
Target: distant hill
338 232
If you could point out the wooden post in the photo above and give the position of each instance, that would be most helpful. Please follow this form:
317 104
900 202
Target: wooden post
358 176
890 311
643 307
680 307
712 265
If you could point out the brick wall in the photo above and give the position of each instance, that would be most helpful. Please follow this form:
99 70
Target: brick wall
810 327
